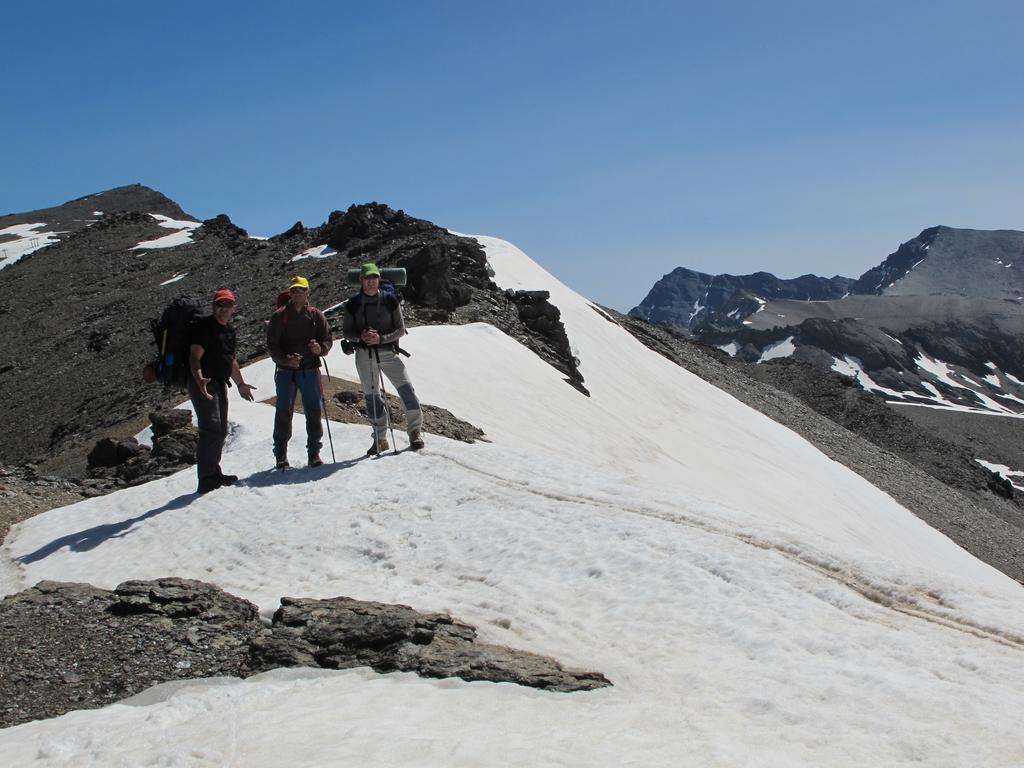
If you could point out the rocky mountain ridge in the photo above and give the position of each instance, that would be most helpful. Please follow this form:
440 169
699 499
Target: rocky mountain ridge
936 323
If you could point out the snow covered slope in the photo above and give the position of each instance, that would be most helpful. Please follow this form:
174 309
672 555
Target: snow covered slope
753 602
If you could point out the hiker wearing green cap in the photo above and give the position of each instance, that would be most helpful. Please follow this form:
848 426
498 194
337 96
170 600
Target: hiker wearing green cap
298 335
211 364
374 323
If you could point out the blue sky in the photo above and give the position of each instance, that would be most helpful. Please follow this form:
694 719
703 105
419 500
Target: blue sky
612 142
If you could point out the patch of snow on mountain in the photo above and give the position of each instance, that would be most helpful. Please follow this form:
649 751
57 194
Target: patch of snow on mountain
939 370
181 236
730 349
176 278
784 348
29 238
851 366
1005 472
316 252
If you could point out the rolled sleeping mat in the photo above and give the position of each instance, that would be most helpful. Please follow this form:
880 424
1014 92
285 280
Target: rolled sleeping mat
393 275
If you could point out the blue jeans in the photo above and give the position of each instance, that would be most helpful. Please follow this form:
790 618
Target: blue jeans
290 385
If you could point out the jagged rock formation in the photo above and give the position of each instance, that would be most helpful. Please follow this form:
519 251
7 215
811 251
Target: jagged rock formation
148 632
87 350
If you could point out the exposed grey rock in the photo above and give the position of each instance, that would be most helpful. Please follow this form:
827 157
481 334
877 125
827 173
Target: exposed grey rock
73 646
341 632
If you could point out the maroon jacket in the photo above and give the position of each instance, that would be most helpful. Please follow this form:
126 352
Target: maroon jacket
290 332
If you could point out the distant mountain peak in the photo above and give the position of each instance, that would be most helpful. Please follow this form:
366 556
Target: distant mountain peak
949 261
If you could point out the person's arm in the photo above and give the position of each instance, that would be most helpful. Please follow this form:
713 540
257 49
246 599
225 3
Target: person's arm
399 326
327 339
245 390
195 355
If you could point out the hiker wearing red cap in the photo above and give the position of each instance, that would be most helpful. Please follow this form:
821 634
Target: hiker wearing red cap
212 363
298 335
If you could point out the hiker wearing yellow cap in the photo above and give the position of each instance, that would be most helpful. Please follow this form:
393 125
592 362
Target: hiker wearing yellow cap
298 335
374 324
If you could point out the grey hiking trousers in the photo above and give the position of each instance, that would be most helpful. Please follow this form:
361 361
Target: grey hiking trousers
212 416
393 367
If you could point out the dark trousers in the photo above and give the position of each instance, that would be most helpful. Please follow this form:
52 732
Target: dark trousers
212 416
291 384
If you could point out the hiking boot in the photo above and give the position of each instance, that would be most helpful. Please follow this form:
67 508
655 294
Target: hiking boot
207 484
380 445
227 479
282 463
315 460
415 440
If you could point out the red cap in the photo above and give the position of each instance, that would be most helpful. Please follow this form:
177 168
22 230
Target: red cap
224 295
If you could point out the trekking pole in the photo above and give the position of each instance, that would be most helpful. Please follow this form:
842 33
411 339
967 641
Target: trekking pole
374 395
323 402
384 399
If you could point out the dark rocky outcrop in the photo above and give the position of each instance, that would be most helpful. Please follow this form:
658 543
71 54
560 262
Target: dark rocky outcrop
114 463
543 318
73 646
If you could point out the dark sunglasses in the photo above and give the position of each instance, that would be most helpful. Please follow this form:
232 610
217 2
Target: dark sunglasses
223 303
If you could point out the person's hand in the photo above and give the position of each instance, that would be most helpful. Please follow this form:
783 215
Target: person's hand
202 382
314 346
370 337
245 390
293 360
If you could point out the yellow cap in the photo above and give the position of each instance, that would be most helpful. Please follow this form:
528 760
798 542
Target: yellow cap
299 282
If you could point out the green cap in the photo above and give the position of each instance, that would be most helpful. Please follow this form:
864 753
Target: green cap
369 270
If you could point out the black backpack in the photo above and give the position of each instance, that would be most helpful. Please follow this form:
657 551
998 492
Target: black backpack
172 333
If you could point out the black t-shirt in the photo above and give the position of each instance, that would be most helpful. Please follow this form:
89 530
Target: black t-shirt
218 343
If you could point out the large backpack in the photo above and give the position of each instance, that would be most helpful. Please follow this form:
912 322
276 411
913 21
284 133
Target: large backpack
172 333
